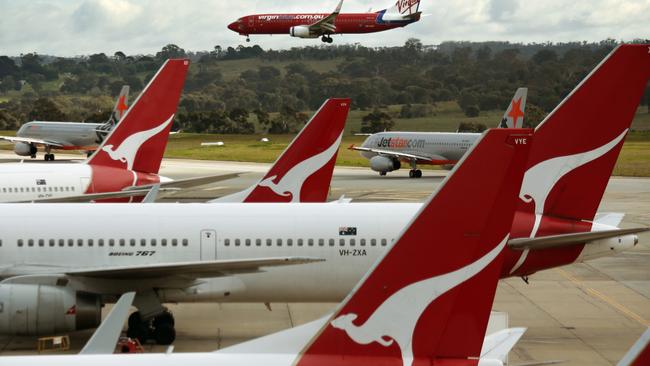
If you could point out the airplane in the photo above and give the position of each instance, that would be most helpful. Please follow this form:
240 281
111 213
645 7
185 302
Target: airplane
303 171
214 252
427 299
323 25
387 150
66 135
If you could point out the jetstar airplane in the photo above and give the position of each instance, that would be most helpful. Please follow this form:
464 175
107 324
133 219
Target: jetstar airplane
387 150
213 252
322 25
425 301
66 135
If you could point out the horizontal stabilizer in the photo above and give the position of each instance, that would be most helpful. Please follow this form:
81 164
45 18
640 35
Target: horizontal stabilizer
497 345
563 240
187 182
216 268
104 339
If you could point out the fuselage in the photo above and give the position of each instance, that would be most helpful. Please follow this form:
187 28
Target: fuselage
72 135
441 147
34 181
344 23
349 237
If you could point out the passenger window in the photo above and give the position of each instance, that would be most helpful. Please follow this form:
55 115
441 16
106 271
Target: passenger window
248 242
174 242
310 242
100 242
363 242
185 242
341 242
237 242
289 242
269 242
111 242
352 242
225 242
143 242
331 242
51 242
383 242
90 242
30 242
258 242
132 242
20 242
299 242
321 242
153 242
70 242
41 242
122 242
80 242
163 242
61 242
373 242
279 242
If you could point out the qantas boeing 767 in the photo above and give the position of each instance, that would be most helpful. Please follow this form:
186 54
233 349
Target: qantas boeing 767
323 25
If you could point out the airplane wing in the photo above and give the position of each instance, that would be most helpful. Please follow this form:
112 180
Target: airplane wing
399 155
96 196
28 140
187 182
215 268
326 25
562 240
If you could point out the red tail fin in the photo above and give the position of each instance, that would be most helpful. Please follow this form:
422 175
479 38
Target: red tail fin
138 142
303 172
577 145
430 296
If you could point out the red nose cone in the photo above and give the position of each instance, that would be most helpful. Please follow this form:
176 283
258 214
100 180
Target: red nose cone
233 26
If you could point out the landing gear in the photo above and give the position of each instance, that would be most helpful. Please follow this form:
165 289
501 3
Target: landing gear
326 38
382 174
48 157
160 328
248 39
415 173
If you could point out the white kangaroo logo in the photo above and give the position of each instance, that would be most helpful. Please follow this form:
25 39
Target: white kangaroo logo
539 180
291 183
129 147
395 319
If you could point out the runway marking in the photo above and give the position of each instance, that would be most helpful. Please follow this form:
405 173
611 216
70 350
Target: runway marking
606 299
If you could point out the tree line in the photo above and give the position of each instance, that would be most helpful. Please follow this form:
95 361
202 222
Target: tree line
273 95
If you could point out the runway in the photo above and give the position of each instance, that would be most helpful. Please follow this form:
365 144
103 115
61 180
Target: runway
585 314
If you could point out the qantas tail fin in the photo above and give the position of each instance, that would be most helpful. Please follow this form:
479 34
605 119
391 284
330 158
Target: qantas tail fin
429 298
577 144
303 172
514 115
639 354
139 140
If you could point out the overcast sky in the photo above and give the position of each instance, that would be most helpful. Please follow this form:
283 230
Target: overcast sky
82 27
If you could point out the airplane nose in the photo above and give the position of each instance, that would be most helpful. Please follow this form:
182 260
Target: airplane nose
233 26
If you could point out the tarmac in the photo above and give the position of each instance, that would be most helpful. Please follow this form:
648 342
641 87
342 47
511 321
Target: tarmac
583 314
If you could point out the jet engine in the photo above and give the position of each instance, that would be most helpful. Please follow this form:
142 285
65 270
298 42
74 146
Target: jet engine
381 163
24 149
301 31
35 310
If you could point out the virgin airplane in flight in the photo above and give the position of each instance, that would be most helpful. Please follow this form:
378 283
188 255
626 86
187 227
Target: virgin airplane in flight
323 25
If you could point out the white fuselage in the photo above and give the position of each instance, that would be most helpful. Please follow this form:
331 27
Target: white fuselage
33 181
349 237
70 134
448 145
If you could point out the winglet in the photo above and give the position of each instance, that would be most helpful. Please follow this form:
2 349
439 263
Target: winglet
430 296
338 8
105 337
152 195
497 345
303 173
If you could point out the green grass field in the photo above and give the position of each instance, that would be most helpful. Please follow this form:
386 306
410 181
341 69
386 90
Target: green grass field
633 161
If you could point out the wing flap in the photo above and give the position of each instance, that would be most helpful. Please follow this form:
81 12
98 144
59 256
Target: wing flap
563 240
29 140
215 268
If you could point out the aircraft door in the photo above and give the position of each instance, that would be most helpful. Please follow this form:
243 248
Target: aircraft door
208 245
